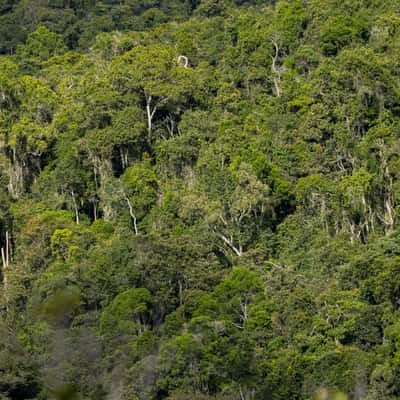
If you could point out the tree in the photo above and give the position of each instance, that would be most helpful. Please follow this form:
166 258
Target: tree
40 46
127 313
154 71
139 190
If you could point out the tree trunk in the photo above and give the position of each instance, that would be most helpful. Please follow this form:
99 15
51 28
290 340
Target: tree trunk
5 256
229 243
75 207
132 214
276 70
150 115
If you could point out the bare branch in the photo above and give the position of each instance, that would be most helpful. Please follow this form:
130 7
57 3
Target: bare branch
229 243
132 214
183 61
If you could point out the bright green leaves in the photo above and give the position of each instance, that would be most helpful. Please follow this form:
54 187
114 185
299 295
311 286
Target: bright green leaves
356 188
140 186
340 31
232 297
60 242
212 193
176 357
147 67
217 351
339 316
128 129
155 73
356 193
308 187
290 20
39 100
382 286
25 115
40 46
351 366
9 87
28 138
235 294
127 314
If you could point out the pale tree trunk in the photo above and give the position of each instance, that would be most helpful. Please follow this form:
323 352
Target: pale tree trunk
246 395
124 158
170 125
102 176
75 207
5 256
388 217
244 310
324 217
94 200
16 177
149 114
276 70
132 214
180 292
229 242
353 235
151 110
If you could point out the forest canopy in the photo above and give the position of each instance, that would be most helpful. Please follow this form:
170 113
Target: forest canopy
199 199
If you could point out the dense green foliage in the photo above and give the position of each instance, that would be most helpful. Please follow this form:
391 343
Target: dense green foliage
200 199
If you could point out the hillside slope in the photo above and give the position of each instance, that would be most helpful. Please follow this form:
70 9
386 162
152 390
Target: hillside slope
200 200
